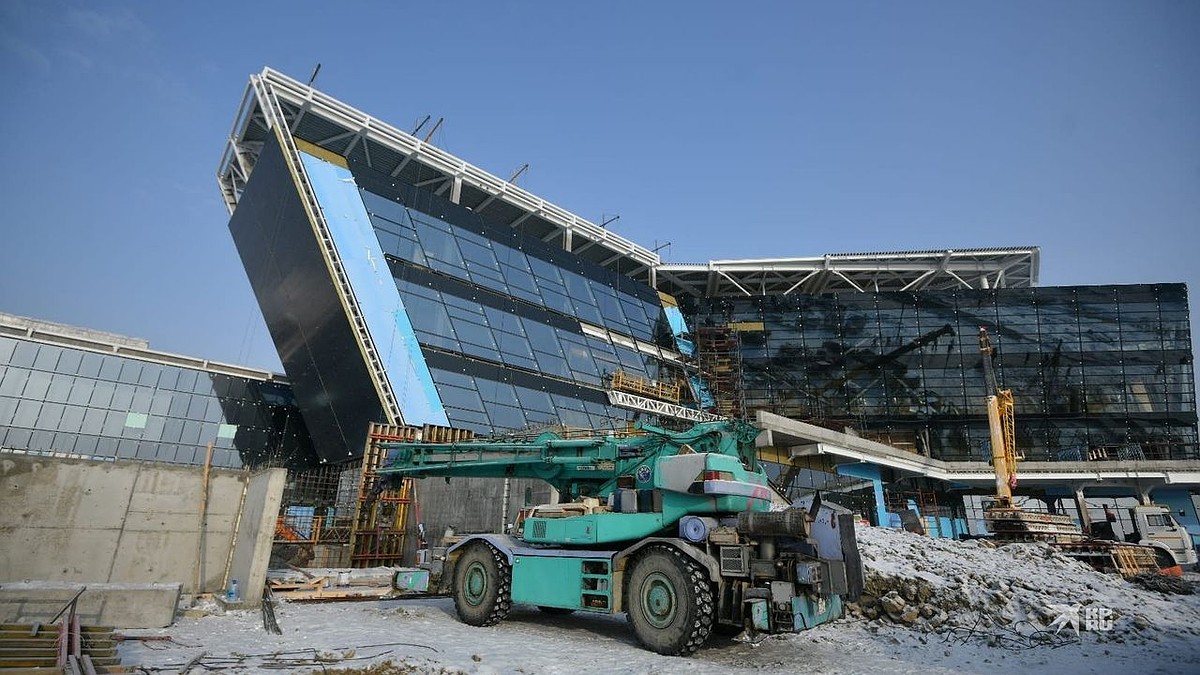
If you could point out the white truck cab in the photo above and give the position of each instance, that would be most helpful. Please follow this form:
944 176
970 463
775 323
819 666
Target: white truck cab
1155 526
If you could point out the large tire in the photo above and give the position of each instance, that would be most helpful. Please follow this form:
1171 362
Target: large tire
670 602
482 585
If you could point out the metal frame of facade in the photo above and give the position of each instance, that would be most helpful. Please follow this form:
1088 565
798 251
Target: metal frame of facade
273 98
855 272
120 345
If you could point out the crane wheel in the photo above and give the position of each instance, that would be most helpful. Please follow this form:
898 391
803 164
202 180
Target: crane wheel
670 602
482 585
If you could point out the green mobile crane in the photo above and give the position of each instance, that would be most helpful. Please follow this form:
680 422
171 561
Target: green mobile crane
681 531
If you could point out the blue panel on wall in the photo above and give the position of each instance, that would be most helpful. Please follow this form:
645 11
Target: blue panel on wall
679 329
376 293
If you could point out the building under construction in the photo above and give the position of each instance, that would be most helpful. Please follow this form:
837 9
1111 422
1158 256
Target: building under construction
405 287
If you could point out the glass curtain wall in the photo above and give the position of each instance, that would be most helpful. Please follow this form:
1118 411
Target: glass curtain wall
500 316
58 399
1100 372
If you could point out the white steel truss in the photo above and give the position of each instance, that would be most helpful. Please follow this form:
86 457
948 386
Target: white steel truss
858 272
623 399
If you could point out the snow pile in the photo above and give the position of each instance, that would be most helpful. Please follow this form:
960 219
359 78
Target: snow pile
939 584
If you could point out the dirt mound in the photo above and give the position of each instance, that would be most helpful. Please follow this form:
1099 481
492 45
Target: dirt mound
941 584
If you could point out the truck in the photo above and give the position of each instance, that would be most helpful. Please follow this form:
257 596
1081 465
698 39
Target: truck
679 530
1155 527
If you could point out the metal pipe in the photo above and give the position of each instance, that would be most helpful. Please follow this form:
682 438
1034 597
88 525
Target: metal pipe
504 506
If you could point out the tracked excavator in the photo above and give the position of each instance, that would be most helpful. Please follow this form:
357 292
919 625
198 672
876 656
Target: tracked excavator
1004 519
681 531
1164 546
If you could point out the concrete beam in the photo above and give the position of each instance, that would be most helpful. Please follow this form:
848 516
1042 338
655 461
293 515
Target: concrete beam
779 431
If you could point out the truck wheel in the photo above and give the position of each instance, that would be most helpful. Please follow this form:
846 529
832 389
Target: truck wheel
482 585
670 602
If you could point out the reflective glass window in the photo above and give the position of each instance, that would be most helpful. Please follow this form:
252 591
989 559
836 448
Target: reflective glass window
478 253
468 399
505 417
441 249
60 388
473 333
558 302
14 380
543 338
8 407
24 355
27 413
47 358
102 394
93 421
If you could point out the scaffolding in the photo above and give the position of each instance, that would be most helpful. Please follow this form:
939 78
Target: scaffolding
937 519
315 519
345 515
622 381
381 534
718 350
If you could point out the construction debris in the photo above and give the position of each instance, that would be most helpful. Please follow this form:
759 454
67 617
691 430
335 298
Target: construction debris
66 646
974 589
297 584
1164 584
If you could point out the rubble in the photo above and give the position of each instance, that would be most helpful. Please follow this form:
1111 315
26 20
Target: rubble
1019 589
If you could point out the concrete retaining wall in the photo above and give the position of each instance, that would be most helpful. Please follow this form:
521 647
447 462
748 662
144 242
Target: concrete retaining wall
129 522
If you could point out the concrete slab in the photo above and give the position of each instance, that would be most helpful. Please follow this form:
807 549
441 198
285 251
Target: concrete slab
118 605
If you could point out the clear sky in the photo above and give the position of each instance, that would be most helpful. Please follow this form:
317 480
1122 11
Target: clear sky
727 129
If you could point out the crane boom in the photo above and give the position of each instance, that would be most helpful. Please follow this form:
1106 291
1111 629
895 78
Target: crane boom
1001 424
583 467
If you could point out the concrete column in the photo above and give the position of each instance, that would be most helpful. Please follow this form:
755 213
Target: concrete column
1144 495
869 472
456 190
1081 504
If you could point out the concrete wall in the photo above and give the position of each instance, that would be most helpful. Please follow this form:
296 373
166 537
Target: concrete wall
78 520
252 543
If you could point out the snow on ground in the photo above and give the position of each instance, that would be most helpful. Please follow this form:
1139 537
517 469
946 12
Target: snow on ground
426 636
1026 586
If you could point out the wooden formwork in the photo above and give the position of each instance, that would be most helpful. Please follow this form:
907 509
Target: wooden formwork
1112 556
380 532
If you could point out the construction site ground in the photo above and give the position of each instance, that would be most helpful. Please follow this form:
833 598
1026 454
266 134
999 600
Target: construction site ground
933 606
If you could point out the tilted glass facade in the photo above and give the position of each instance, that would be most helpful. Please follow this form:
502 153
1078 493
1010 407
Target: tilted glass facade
501 317
475 324
56 398
1096 371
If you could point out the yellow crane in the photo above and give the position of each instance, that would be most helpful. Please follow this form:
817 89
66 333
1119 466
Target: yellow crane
1002 427
1005 519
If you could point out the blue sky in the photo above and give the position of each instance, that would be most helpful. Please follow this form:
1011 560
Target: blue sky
727 129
